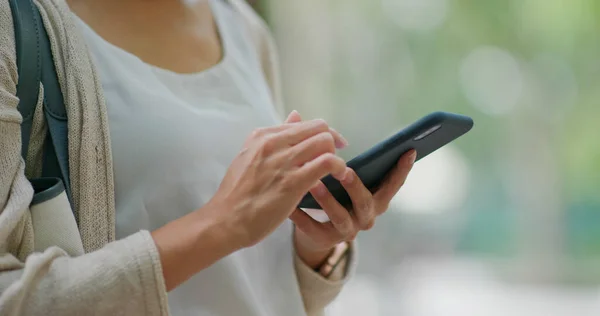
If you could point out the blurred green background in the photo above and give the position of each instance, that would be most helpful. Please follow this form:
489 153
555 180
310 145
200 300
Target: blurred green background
517 200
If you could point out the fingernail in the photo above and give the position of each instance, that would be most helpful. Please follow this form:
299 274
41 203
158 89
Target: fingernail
345 141
340 176
291 115
340 143
348 176
412 157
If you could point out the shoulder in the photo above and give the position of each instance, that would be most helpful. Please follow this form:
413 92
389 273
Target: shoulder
261 35
267 51
250 16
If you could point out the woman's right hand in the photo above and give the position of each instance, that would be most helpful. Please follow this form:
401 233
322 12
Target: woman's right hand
271 174
260 190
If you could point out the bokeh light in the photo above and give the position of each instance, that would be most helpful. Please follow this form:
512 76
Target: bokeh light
416 15
551 87
438 183
492 80
524 181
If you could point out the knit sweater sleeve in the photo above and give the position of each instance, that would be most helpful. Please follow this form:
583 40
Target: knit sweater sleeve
121 278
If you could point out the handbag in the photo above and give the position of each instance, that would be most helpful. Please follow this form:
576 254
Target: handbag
52 214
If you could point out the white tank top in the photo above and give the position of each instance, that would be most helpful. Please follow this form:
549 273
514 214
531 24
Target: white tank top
173 137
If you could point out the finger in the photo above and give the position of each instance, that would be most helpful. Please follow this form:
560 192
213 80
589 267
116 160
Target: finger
340 141
293 117
301 131
396 179
320 231
270 140
319 124
362 199
309 149
338 215
263 131
307 175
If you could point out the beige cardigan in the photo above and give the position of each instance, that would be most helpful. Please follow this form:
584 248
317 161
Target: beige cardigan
121 277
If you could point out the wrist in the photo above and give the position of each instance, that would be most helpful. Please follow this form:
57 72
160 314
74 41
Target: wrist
311 254
214 232
190 244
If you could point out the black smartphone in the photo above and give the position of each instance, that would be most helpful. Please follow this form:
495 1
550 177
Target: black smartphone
425 136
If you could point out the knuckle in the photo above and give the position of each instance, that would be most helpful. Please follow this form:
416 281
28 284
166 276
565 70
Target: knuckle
257 133
367 224
268 145
348 228
328 142
324 142
365 205
335 161
352 236
327 160
320 124
370 224
332 163
352 175
338 236
340 222
286 181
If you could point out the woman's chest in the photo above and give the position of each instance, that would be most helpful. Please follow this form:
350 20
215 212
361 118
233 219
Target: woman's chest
176 133
156 129
172 142
159 119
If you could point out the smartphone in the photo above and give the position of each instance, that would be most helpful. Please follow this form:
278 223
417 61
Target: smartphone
425 136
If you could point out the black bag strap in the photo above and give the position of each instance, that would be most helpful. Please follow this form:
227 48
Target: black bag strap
35 64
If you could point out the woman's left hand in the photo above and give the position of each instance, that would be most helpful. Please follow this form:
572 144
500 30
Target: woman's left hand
315 240
344 224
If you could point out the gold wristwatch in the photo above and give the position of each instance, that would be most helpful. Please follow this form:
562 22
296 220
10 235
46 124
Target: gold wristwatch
338 254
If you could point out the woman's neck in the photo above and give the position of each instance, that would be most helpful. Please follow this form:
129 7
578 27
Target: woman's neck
179 35
164 9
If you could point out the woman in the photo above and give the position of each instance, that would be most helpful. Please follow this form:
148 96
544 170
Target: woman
191 193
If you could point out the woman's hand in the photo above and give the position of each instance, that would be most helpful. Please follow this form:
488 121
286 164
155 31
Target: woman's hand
345 223
274 170
314 240
261 188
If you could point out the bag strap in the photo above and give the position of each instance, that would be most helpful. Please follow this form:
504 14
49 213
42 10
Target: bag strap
29 64
36 65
